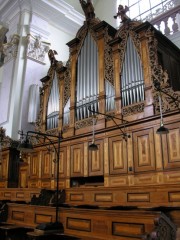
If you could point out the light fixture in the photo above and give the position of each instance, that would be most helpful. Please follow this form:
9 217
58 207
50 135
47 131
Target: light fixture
161 129
25 146
93 146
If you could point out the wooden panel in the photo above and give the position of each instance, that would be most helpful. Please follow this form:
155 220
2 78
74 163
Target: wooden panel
46 164
174 196
7 195
17 215
127 229
46 184
4 167
117 155
96 160
171 147
118 181
79 224
103 197
138 197
2 184
77 154
76 197
20 195
42 218
33 184
34 165
63 162
144 155
23 177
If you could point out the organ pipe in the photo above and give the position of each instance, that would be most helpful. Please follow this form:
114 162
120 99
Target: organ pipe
132 81
87 77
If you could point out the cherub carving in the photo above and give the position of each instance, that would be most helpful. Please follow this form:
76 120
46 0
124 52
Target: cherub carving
51 55
88 9
122 13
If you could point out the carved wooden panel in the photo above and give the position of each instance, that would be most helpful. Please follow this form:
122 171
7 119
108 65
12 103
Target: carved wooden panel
171 147
77 154
96 160
117 155
144 154
34 165
46 164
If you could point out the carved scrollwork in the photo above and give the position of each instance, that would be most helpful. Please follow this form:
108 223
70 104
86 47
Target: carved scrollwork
67 82
39 122
84 123
160 79
130 110
109 69
53 131
6 141
165 229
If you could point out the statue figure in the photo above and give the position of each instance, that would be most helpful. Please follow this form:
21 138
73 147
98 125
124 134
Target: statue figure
88 9
51 55
122 13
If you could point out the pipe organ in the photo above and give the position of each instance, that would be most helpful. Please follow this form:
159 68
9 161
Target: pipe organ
120 190
132 80
53 105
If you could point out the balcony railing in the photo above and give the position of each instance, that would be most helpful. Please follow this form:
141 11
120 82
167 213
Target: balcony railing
169 22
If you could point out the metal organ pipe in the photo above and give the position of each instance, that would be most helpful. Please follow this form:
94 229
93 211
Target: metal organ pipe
132 81
87 77
53 105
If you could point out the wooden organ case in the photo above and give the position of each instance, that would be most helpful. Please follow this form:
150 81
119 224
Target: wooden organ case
130 187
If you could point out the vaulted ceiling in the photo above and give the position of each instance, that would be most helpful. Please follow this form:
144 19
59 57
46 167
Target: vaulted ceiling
66 15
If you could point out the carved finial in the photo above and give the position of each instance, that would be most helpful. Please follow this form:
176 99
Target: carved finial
122 13
2 133
88 9
51 55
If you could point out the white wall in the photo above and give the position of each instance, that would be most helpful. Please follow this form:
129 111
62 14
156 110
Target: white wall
105 10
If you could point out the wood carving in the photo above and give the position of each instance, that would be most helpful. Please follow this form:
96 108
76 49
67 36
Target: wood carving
122 13
165 228
88 9
160 79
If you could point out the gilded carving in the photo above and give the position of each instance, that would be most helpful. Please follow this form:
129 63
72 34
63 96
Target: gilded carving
67 82
160 79
137 108
84 123
109 69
